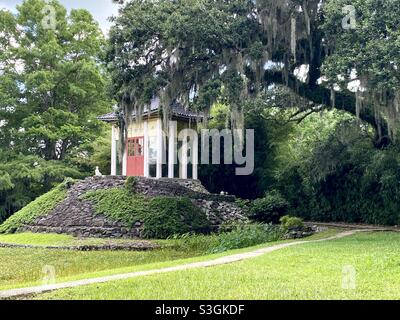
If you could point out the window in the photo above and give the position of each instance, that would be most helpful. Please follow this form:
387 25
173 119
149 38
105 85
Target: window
135 147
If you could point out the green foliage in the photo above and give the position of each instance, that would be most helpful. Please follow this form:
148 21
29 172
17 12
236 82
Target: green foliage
195 242
168 216
273 133
372 47
52 87
119 205
131 184
270 208
24 178
247 235
40 207
289 222
162 216
342 177
241 236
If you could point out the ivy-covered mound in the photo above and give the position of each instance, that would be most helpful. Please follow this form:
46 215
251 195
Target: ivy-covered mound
115 207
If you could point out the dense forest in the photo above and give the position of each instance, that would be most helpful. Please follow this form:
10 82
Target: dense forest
317 80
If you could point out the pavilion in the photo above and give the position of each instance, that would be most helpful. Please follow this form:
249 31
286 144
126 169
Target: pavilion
149 147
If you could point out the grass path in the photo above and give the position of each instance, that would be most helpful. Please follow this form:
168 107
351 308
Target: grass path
8 294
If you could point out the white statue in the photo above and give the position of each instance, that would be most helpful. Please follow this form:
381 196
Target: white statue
98 173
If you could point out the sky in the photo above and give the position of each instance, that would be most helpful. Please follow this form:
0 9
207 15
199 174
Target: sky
100 9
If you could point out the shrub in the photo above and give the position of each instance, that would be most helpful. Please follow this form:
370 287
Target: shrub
195 243
290 223
131 183
269 209
168 216
162 217
246 236
243 204
37 208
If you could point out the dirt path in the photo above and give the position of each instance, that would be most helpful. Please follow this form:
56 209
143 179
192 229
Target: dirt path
9 294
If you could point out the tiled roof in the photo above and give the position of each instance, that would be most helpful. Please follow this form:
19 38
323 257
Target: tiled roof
109 117
176 110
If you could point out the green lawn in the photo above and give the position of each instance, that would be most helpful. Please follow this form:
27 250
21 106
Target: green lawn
38 239
24 267
309 271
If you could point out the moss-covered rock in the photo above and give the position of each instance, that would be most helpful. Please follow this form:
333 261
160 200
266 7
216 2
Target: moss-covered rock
161 217
118 207
173 216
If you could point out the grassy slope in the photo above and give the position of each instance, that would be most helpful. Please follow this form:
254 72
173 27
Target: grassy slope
39 207
310 271
23 267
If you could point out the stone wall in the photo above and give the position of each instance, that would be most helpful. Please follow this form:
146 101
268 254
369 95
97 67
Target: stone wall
77 216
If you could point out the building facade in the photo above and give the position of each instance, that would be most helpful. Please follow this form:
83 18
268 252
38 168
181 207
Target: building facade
154 149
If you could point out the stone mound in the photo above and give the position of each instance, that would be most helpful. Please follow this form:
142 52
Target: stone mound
77 216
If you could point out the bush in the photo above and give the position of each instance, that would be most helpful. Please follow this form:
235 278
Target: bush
162 217
269 209
243 204
247 235
131 184
195 243
290 223
168 216
243 236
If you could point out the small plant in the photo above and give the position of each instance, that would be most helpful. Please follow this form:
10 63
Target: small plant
229 226
68 183
243 204
291 223
269 209
131 184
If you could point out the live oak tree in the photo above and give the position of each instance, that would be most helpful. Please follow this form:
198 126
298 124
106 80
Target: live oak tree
52 85
201 51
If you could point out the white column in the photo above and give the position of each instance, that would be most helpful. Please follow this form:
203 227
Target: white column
125 160
172 148
159 149
195 157
184 159
146 149
113 151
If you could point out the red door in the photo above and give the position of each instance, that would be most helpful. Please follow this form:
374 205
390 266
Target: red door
135 161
